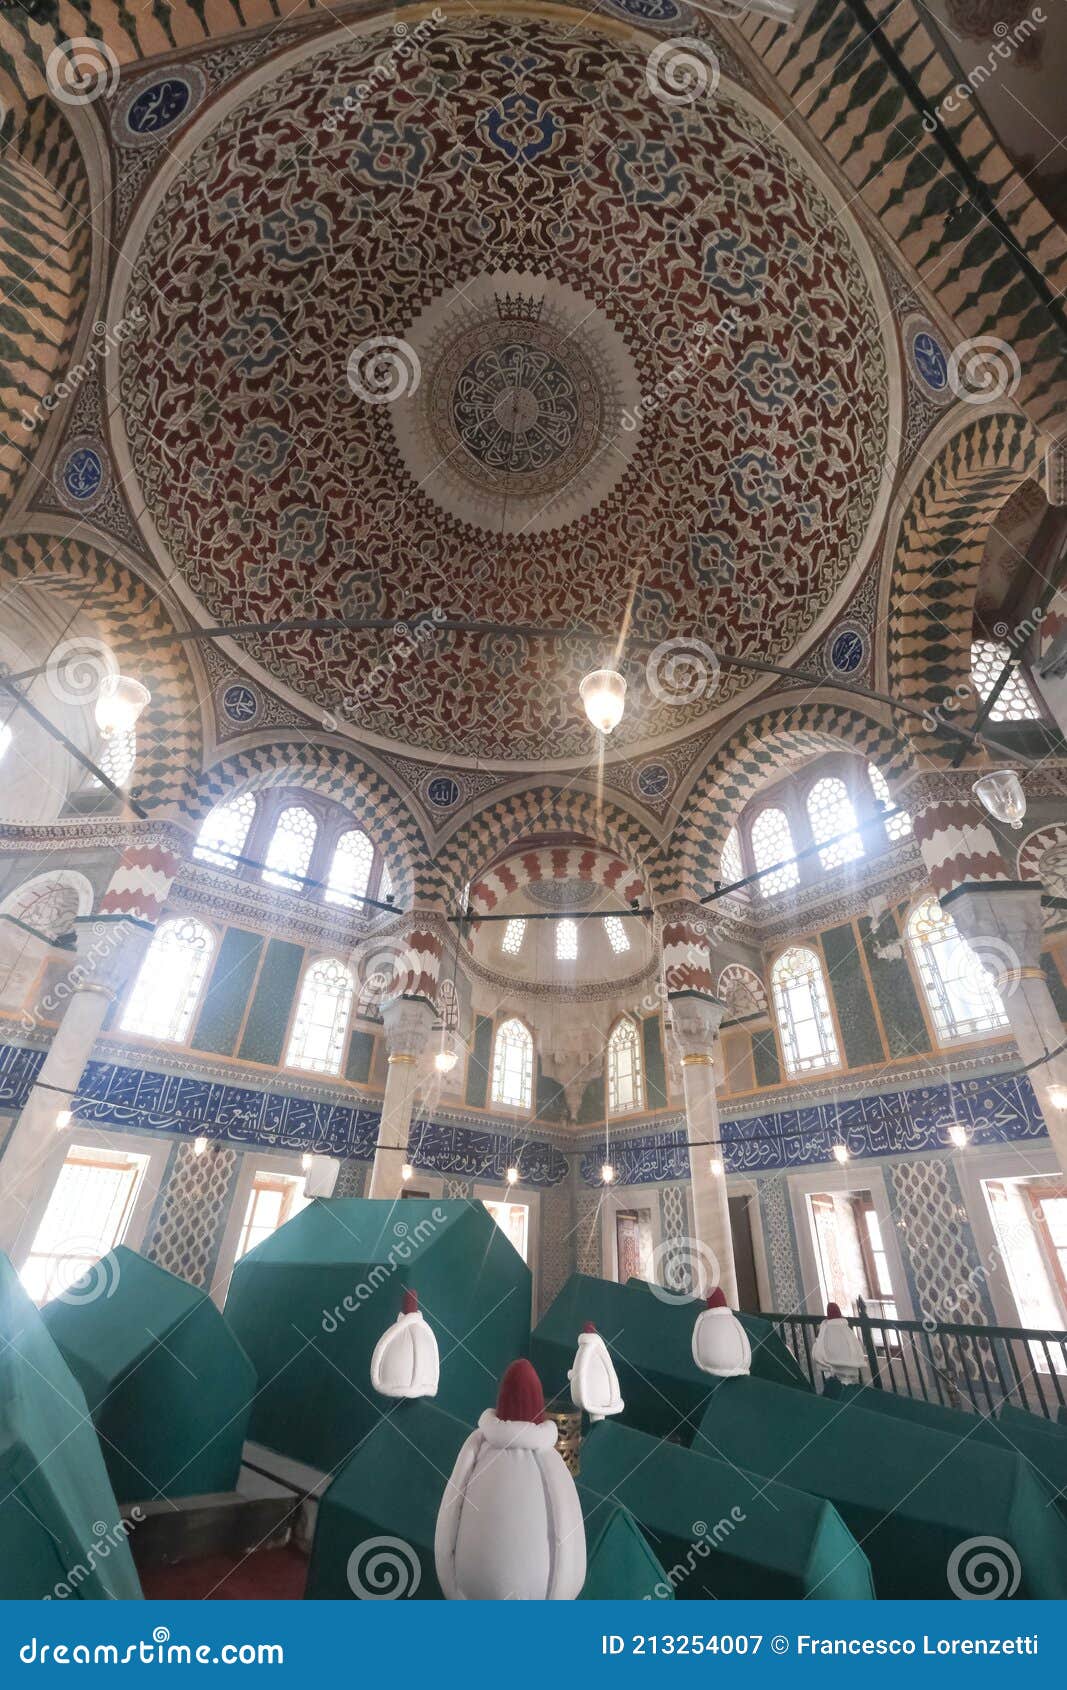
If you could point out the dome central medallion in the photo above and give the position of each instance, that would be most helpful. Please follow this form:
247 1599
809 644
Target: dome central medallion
517 424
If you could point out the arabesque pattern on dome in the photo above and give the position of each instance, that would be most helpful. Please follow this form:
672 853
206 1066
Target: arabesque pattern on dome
505 144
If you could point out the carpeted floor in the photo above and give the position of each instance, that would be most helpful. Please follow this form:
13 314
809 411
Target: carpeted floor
267 1575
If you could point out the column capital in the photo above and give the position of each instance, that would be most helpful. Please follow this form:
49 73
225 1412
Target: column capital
1003 925
408 1024
695 1021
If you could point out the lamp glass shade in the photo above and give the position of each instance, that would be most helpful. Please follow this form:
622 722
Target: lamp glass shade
199 1146
607 1173
64 1118
119 704
959 1137
603 694
1057 1096
406 1171
513 1176
841 1152
445 1059
1001 793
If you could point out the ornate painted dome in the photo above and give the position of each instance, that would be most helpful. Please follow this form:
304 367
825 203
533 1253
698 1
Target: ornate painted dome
514 334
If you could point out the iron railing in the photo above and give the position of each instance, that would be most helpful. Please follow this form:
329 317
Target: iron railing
973 1368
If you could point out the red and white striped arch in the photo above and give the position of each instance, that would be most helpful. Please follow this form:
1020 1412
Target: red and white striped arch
554 862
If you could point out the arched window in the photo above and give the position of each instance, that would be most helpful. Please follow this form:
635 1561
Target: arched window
772 842
168 986
730 866
350 868
50 903
832 817
960 994
1015 702
290 848
898 826
321 1021
741 991
117 755
618 938
385 885
221 839
374 989
514 933
448 1005
566 941
626 1088
803 1011
513 1065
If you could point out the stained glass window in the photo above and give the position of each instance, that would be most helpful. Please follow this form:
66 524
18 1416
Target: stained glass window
618 938
626 1090
350 868
959 991
804 1022
772 842
514 933
513 1065
168 984
566 941
290 848
222 837
898 826
832 817
1015 701
321 1020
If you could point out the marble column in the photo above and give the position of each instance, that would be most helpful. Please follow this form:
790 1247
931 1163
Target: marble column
1003 924
695 1020
408 1023
111 944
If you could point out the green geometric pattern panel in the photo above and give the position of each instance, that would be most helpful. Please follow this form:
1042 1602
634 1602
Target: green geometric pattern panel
765 1057
855 1011
478 1066
360 1053
1055 985
898 1003
655 1068
269 1015
228 992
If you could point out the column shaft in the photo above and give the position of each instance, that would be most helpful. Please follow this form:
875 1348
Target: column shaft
711 1208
